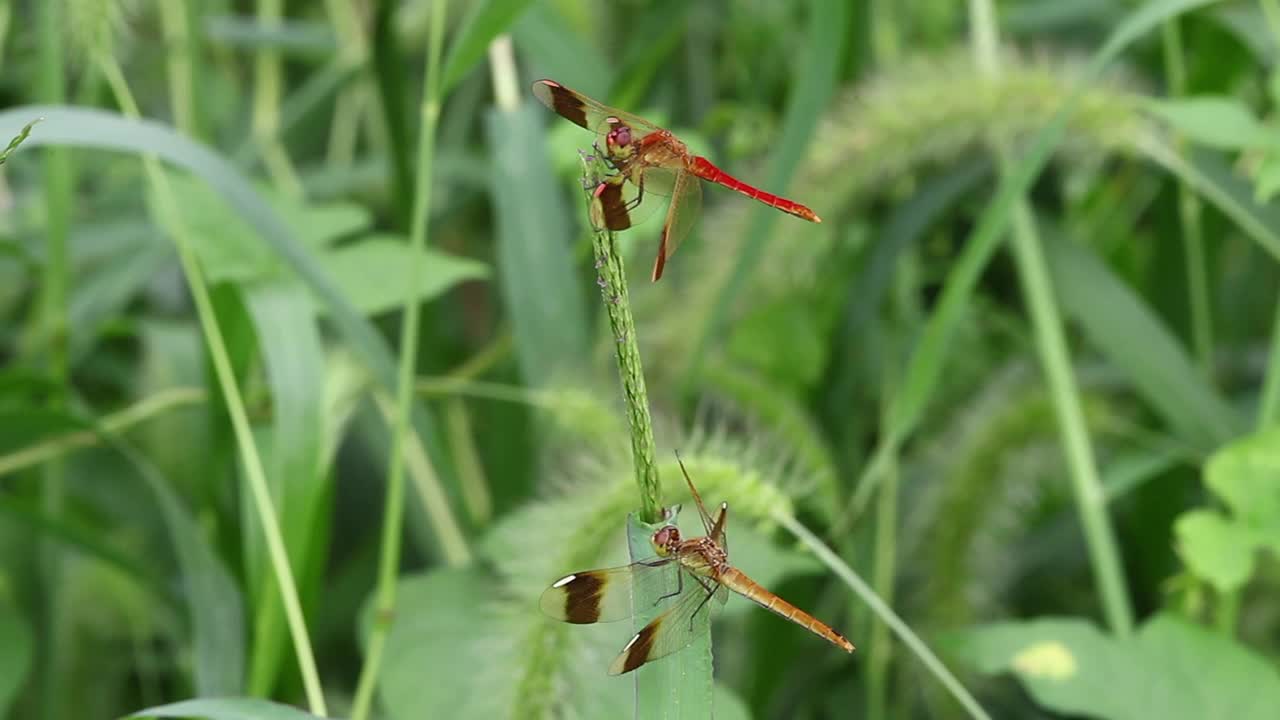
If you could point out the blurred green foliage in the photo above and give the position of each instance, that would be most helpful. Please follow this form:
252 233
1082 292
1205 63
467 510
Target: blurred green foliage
1023 379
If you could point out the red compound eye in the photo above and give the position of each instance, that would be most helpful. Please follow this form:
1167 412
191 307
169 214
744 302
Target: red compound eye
620 136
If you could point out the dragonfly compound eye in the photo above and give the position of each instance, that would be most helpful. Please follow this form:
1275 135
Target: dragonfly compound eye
620 135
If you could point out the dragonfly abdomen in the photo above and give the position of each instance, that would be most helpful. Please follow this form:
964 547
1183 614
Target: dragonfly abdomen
737 581
704 169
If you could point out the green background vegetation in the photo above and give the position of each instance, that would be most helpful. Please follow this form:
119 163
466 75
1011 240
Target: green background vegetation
1007 417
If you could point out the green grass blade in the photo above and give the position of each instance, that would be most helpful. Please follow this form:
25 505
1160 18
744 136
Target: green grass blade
108 131
486 20
540 284
925 366
292 352
1132 337
16 646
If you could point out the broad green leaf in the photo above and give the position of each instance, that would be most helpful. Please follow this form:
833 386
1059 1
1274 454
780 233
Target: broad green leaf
374 272
1266 179
15 653
230 249
226 709
1171 669
1219 122
484 21
1216 548
445 633
1246 475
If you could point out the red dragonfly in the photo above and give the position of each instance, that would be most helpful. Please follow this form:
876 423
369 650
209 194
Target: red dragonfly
648 161
701 564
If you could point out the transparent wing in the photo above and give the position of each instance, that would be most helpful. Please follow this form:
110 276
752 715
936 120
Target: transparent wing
605 595
708 526
619 204
672 630
686 205
585 112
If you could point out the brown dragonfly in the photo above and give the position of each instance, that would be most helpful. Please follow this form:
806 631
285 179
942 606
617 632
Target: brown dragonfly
702 572
649 161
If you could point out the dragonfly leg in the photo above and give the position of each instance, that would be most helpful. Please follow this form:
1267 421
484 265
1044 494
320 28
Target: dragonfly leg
635 202
710 593
679 588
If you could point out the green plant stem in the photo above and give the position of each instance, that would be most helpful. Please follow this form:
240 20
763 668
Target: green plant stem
266 105
613 290
49 344
1051 345
1269 404
177 36
393 515
1227 612
114 423
171 217
880 655
435 501
884 612
353 51
1189 213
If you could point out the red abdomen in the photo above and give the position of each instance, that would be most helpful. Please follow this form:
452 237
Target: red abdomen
703 168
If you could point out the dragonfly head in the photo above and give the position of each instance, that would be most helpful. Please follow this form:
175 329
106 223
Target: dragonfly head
666 540
619 140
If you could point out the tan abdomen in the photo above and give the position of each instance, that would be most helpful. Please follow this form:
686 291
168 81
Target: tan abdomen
738 582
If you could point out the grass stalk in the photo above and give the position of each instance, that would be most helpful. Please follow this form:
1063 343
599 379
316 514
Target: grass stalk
1269 404
353 51
171 217
115 423
267 89
49 342
884 612
176 27
612 280
393 515
1051 345
1189 212
880 649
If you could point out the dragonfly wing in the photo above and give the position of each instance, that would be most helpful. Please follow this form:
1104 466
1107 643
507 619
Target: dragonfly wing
585 112
619 204
605 595
671 631
686 205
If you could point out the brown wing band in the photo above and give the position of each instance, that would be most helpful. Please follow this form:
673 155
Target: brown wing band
582 599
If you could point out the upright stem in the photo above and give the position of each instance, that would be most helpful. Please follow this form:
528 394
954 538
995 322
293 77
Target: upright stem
49 339
266 105
177 35
613 290
171 217
1189 213
393 516
1052 346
